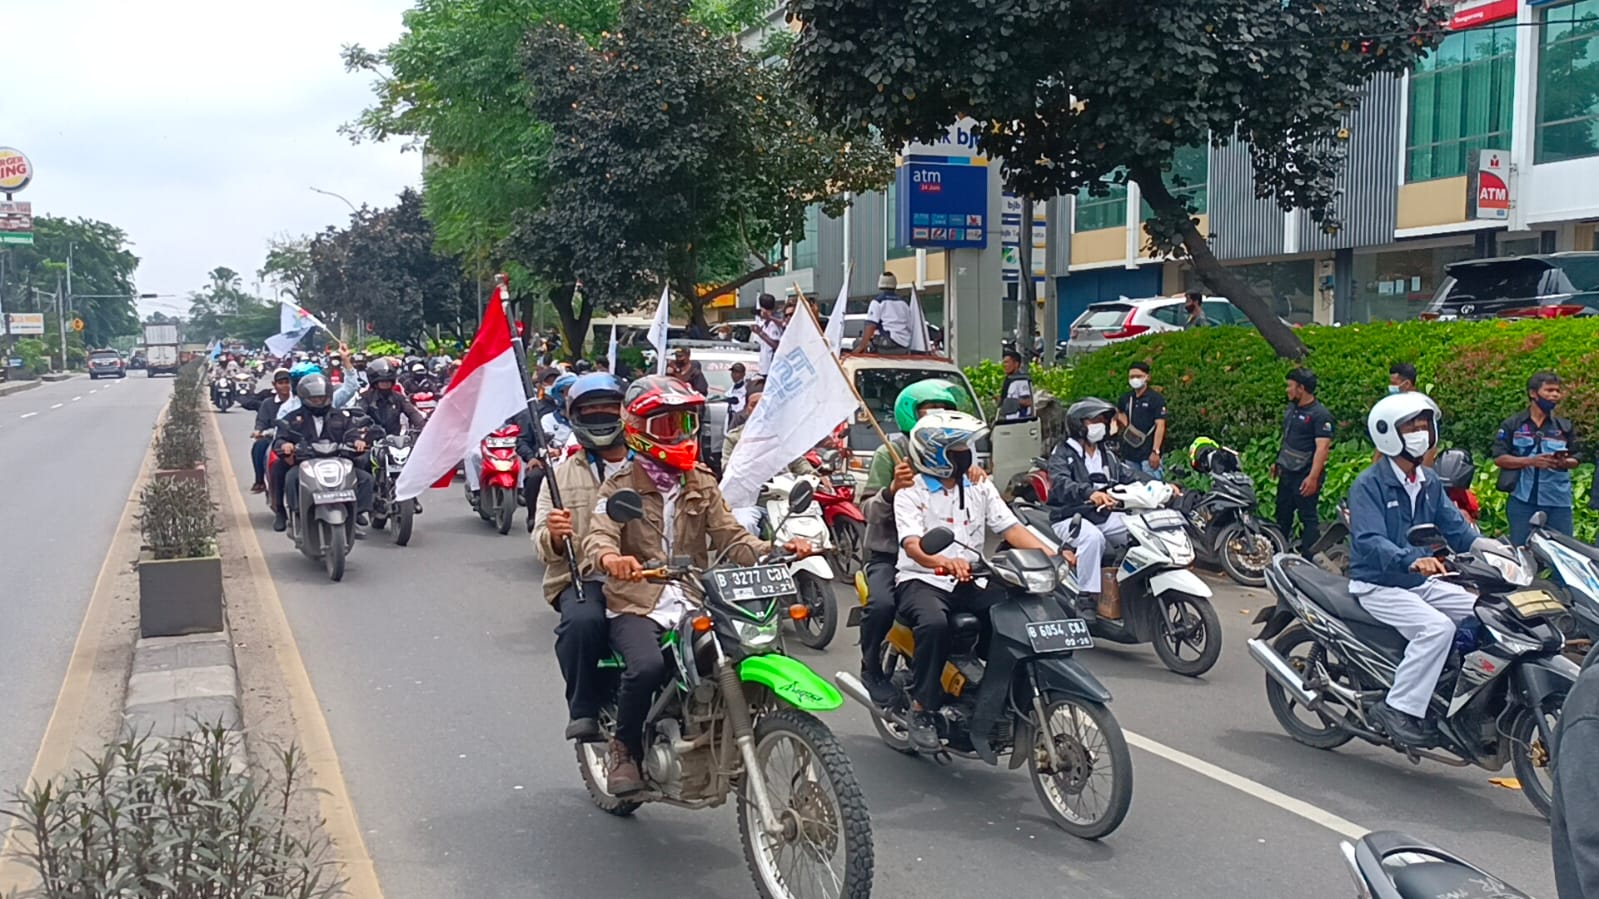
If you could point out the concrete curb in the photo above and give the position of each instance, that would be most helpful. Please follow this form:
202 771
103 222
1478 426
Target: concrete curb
181 684
11 387
58 376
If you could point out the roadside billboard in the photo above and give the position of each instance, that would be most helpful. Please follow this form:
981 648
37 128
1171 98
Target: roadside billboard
16 222
24 324
15 170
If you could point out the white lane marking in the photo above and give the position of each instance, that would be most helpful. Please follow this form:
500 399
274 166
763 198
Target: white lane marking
95 390
76 398
1244 785
58 405
29 414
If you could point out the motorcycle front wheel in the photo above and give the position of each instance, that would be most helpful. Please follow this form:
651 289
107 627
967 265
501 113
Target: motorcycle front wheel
824 849
1188 640
817 630
1245 556
1091 791
1530 755
403 514
333 549
504 509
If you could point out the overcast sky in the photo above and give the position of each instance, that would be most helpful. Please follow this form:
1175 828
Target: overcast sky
196 126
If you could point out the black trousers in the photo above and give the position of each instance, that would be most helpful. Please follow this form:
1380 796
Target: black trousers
532 482
877 619
363 489
581 641
279 473
1290 502
638 639
926 608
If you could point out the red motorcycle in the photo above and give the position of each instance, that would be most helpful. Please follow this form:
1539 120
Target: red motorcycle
423 400
500 478
835 493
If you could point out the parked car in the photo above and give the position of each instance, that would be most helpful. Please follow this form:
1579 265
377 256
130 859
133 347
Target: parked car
717 364
1109 322
106 364
855 324
1551 285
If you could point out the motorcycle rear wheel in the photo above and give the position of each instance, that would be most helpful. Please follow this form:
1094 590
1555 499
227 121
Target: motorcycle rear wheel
1530 756
1328 735
1091 746
891 732
817 630
850 539
1187 623
825 848
593 763
333 549
1244 556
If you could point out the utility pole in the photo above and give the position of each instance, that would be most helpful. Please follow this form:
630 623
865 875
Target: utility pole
61 321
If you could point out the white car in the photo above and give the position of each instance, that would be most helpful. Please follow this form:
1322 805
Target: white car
1109 322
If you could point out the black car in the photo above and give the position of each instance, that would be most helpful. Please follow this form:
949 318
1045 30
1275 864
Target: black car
1549 285
106 364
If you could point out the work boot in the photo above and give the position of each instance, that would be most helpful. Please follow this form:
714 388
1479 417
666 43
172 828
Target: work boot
584 730
923 730
475 499
258 487
622 777
417 504
1408 730
1088 606
280 522
878 686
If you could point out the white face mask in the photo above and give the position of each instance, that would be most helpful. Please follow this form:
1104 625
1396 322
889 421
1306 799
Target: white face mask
1137 383
1096 432
1417 443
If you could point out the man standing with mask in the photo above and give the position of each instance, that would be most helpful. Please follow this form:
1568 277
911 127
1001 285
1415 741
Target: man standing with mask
1307 439
1533 452
1141 412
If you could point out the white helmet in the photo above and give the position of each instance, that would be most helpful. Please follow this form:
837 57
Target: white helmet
1394 412
935 434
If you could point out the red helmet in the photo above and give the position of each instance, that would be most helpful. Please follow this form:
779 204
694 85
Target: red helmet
661 420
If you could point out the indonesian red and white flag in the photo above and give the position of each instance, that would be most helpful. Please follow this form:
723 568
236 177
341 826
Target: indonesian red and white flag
486 390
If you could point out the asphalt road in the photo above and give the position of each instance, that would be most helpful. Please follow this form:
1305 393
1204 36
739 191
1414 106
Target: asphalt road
69 452
434 664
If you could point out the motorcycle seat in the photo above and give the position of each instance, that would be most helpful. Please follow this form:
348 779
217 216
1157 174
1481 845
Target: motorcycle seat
1327 590
1434 878
1033 516
964 623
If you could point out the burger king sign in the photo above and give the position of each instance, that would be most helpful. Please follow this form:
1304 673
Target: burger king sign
15 170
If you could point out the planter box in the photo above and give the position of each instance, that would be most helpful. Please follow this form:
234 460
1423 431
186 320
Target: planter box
179 596
196 474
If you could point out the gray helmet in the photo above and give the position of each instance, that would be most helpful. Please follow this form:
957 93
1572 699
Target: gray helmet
315 393
1455 468
1080 413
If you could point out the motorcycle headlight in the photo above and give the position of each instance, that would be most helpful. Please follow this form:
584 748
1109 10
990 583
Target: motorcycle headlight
756 636
328 473
1510 567
1040 581
1177 547
501 464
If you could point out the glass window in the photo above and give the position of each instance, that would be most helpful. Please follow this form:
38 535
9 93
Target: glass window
1568 82
1173 314
1095 213
891 216
1396 286
1192 165
805 248
1289 287
1460 101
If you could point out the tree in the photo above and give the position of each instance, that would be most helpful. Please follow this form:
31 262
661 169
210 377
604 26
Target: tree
102 274
223 309
1079 93
288 267
681 160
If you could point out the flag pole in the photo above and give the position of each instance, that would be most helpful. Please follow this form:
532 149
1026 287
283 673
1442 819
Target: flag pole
865 409
502 287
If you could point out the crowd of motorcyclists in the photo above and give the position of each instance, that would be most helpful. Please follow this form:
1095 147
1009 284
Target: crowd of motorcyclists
606 436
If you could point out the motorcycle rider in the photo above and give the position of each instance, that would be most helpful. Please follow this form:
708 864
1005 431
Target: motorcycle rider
685 515
417 379
886 477
1081 469
941 451
265 416
385 406
582 637
317 419
1396 582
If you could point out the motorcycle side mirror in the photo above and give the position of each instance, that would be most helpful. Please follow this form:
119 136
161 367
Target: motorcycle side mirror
937 540
1427 535
1075 528
800 496
1539 519
625 506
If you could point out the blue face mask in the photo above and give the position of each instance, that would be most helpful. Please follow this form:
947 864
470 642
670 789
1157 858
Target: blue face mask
1547 406
1393 388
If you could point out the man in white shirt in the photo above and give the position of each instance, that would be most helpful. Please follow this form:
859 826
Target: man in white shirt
888 320
943 496
1016 397
769 330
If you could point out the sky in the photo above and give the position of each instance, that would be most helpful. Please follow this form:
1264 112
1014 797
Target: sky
197 126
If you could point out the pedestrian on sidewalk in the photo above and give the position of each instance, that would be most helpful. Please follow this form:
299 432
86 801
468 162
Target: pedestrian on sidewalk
1302 459
1141 413
1533 450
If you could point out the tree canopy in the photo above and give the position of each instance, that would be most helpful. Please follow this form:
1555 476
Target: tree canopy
102 274
223 308
1082 93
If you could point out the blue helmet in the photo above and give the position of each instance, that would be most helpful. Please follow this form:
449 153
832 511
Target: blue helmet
558 396
594 430
300 370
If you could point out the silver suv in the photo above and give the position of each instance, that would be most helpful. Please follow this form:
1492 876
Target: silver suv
1109 322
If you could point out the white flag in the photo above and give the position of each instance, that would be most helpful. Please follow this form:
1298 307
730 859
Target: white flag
806 396
283 344
292 317
835 321
610 354
657 334
920 343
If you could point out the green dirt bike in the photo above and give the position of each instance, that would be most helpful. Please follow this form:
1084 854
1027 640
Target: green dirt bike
735 721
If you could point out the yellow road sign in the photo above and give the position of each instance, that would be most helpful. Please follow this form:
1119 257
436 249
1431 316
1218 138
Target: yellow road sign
77 324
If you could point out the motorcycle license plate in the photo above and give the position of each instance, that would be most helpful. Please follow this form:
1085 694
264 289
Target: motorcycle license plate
1533 603
1062 635
763 582
333 496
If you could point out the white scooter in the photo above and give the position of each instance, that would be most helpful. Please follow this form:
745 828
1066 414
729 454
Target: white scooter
813 576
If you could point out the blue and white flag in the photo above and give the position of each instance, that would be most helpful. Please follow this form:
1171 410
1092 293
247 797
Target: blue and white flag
805 397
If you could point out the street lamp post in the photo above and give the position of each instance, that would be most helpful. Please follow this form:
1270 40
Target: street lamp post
336 196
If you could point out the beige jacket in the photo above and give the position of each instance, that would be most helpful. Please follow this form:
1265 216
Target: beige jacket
579 492
702 522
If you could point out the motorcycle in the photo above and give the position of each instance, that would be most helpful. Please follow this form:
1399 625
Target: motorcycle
388 460
1148 595
1574 568
1498 698
322 523
500 480
813 577
1031 486
735 721
425 401
1387 864
846 523
1331 551
222 393
1018 692
1223 524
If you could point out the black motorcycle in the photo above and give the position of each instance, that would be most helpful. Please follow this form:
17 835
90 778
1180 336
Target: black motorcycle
1012 687
388 461
1387 864
1498 699
1223 523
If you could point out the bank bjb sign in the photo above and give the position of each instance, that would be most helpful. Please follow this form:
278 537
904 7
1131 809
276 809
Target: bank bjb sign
941 192
1488 193
15 170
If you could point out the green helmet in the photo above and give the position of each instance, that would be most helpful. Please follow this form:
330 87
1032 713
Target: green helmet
914 396
1199 453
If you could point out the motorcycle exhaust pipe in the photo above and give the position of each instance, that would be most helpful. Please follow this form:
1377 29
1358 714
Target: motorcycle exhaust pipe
854 689
1281 672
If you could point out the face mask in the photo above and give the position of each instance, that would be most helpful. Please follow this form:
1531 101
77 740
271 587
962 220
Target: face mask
1417 444
961 459
318 411
1393 388
1096 432
1546 405
1137 383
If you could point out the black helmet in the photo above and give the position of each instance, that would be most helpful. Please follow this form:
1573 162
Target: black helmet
379 370
582 367
315 393
1455 468
1080 413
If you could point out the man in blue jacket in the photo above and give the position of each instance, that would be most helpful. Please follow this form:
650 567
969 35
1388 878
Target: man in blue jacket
1396 582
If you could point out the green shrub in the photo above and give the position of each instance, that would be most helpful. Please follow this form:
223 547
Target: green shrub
374 348
178 822
176 518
